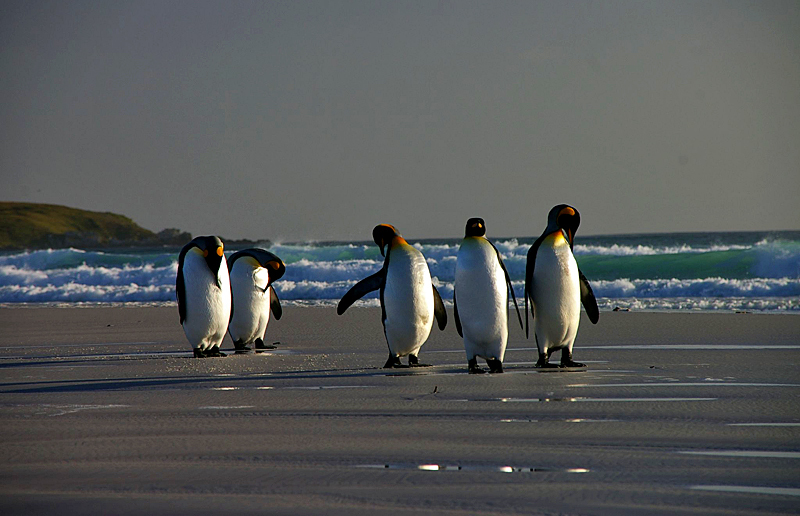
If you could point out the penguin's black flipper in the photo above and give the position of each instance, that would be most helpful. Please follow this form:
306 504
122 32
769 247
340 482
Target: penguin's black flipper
438 309
180 286
361 289
275 304
455 314
180 291
508 282
530 264
588 300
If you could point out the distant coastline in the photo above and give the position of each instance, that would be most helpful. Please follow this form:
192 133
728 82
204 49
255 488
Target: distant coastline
32 226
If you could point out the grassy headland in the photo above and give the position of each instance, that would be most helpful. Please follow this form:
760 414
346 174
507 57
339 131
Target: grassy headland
36 226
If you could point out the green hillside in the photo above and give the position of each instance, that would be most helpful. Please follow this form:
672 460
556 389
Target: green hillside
30 225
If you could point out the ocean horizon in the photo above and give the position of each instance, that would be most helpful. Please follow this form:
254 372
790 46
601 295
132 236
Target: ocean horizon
755 271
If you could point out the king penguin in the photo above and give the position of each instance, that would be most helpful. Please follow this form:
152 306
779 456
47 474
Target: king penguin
409 301
253 271
480 299
204 295
556 288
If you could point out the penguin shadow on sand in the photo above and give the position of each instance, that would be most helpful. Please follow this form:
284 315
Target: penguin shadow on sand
409 301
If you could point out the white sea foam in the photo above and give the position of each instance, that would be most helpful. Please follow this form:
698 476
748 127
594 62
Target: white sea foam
307 280
330 271
647 250
763 276
706 287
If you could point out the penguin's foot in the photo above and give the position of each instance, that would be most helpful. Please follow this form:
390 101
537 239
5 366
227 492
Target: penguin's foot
543 361
566 360
495 366
473 366
199 353
241 347
413 361
393 362
261 346
215 352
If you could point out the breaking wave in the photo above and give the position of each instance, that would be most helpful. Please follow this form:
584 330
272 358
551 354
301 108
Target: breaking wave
657 271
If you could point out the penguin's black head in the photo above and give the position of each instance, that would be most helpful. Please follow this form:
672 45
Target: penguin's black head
272 263
267 260
476 227
212 249
566 218
383 234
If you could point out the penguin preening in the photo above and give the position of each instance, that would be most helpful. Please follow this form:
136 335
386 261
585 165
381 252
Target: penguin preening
252 272
409 301
480 299
556 288
204 295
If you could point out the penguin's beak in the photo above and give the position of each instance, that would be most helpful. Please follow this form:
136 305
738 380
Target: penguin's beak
383 246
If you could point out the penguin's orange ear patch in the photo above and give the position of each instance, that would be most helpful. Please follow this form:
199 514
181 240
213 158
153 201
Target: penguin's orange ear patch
274 265
219 251
205 253
567 211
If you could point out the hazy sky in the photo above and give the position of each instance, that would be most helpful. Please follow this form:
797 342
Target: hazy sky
317 120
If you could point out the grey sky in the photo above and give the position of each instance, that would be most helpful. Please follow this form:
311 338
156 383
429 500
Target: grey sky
295 120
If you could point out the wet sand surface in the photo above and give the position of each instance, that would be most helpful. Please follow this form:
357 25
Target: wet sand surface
103 411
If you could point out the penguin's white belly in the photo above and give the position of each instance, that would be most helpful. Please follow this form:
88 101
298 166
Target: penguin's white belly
251 303
208 306
407 301
556 296
482 299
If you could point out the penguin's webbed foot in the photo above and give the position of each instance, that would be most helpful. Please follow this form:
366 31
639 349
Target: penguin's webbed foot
566 360
543 361
215 352
413 361
473 366
261 346
199 353
495 366
393 362
240 347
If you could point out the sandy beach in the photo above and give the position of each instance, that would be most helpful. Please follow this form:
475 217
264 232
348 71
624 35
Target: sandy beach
104 411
